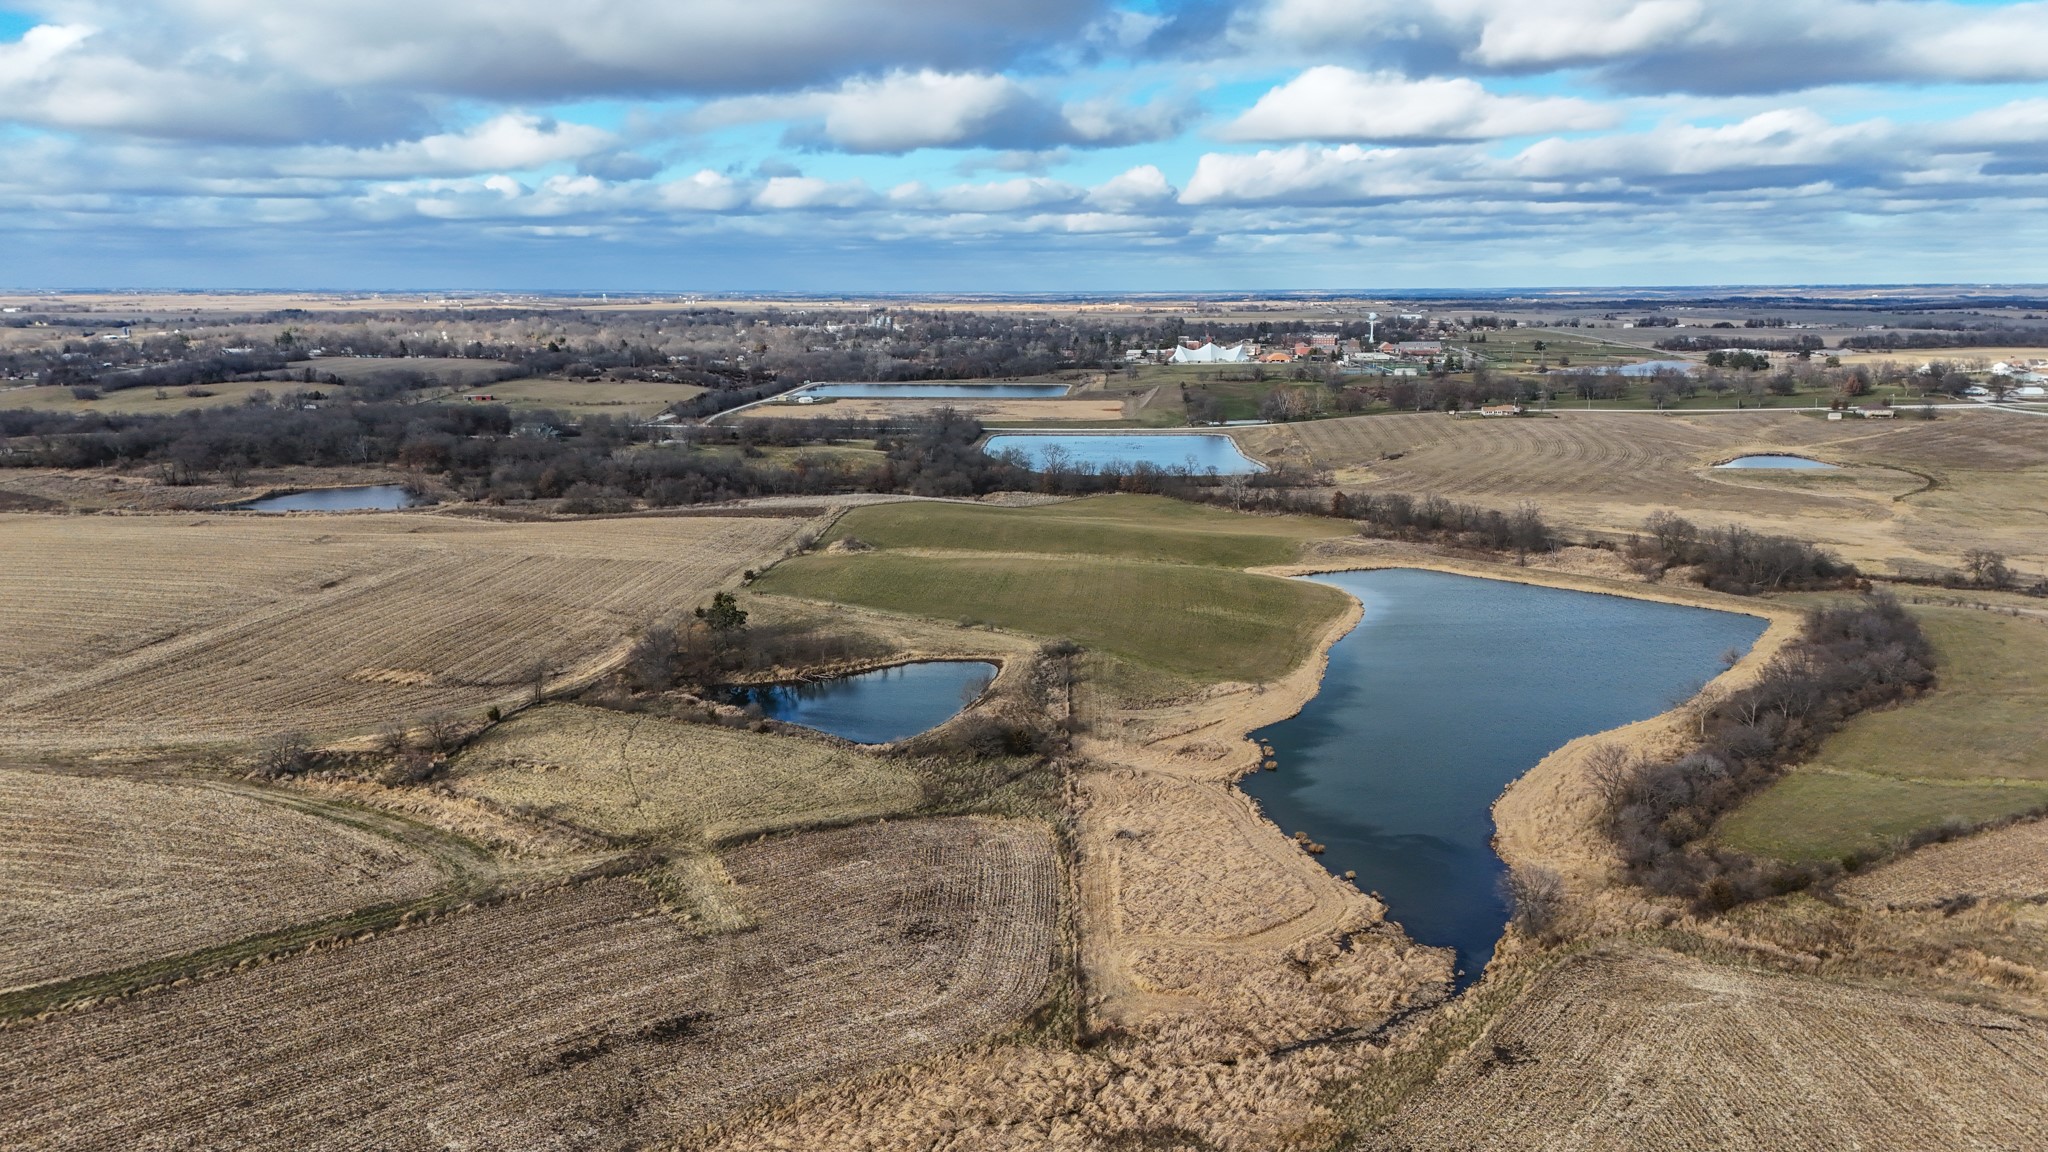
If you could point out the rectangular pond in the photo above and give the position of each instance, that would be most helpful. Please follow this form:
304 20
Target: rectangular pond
378 497
878 707
935 391
1449 689
1200 453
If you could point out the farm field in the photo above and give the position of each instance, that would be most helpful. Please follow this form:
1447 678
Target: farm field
211 628
1974 749
99 873
1633 1048
1911 496
579 1017
455 372
640 776
144 401
634 399
2009 863
1076 408
1129 527
1203 624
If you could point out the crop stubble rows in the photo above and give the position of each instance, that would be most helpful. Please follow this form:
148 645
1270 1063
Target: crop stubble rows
180 629
580 1017
100 873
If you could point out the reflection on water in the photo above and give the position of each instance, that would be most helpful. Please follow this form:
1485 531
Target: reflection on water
874 707
1449 689
1201 452
938 391
1776 460
382 497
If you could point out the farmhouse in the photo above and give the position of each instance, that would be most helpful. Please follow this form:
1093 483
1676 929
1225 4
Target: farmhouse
1500 410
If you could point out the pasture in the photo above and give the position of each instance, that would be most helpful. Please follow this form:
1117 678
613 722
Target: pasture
228 628
578 1017
1152 528
1203 624
1972 750
647 776
103 873
1628 1048
146 401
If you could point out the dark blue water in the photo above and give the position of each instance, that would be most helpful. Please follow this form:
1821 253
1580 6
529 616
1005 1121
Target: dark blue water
385 497
1198 452
875 707
1449 689
1792 463
939 391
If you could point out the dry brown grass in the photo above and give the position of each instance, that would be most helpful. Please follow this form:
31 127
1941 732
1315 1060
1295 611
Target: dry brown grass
132 631
1630 1049
101 873
1607 470
2010 863
1196 912
581 1017
639 775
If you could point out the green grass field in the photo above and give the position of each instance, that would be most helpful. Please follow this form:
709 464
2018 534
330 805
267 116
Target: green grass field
1202 624
1121 526
1974 749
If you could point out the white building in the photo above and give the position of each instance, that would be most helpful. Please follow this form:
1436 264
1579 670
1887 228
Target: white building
1210 353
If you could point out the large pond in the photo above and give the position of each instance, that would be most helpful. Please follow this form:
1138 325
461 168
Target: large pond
937 391
1200 452
382 497
1778 461
1449 689
1651 368
874 707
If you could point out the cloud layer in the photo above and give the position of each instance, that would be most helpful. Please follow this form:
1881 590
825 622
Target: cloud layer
1267 142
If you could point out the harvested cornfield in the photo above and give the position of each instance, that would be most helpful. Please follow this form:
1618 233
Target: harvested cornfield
102 873
1629 1050
2010 863
635 775
577 1018
1909 496
190 629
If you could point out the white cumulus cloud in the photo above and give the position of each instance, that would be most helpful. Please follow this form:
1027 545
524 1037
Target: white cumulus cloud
1335 103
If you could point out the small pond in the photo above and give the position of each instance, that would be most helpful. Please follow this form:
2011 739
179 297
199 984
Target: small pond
937 391
1778 461
1200 452
382 497
874 707
1449 689
1651 368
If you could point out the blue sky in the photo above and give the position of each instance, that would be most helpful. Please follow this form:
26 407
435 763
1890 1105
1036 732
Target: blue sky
1020 145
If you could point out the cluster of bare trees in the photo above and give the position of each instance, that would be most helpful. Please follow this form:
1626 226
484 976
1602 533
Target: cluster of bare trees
1394 514
1846 660
1731 558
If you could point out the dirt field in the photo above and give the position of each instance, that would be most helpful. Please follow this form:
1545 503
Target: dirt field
580 1017
100 873
1631 1050
1912 495
644 775
131 631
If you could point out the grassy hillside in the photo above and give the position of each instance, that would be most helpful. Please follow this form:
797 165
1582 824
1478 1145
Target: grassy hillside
1974 749
1128 527
1200 623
